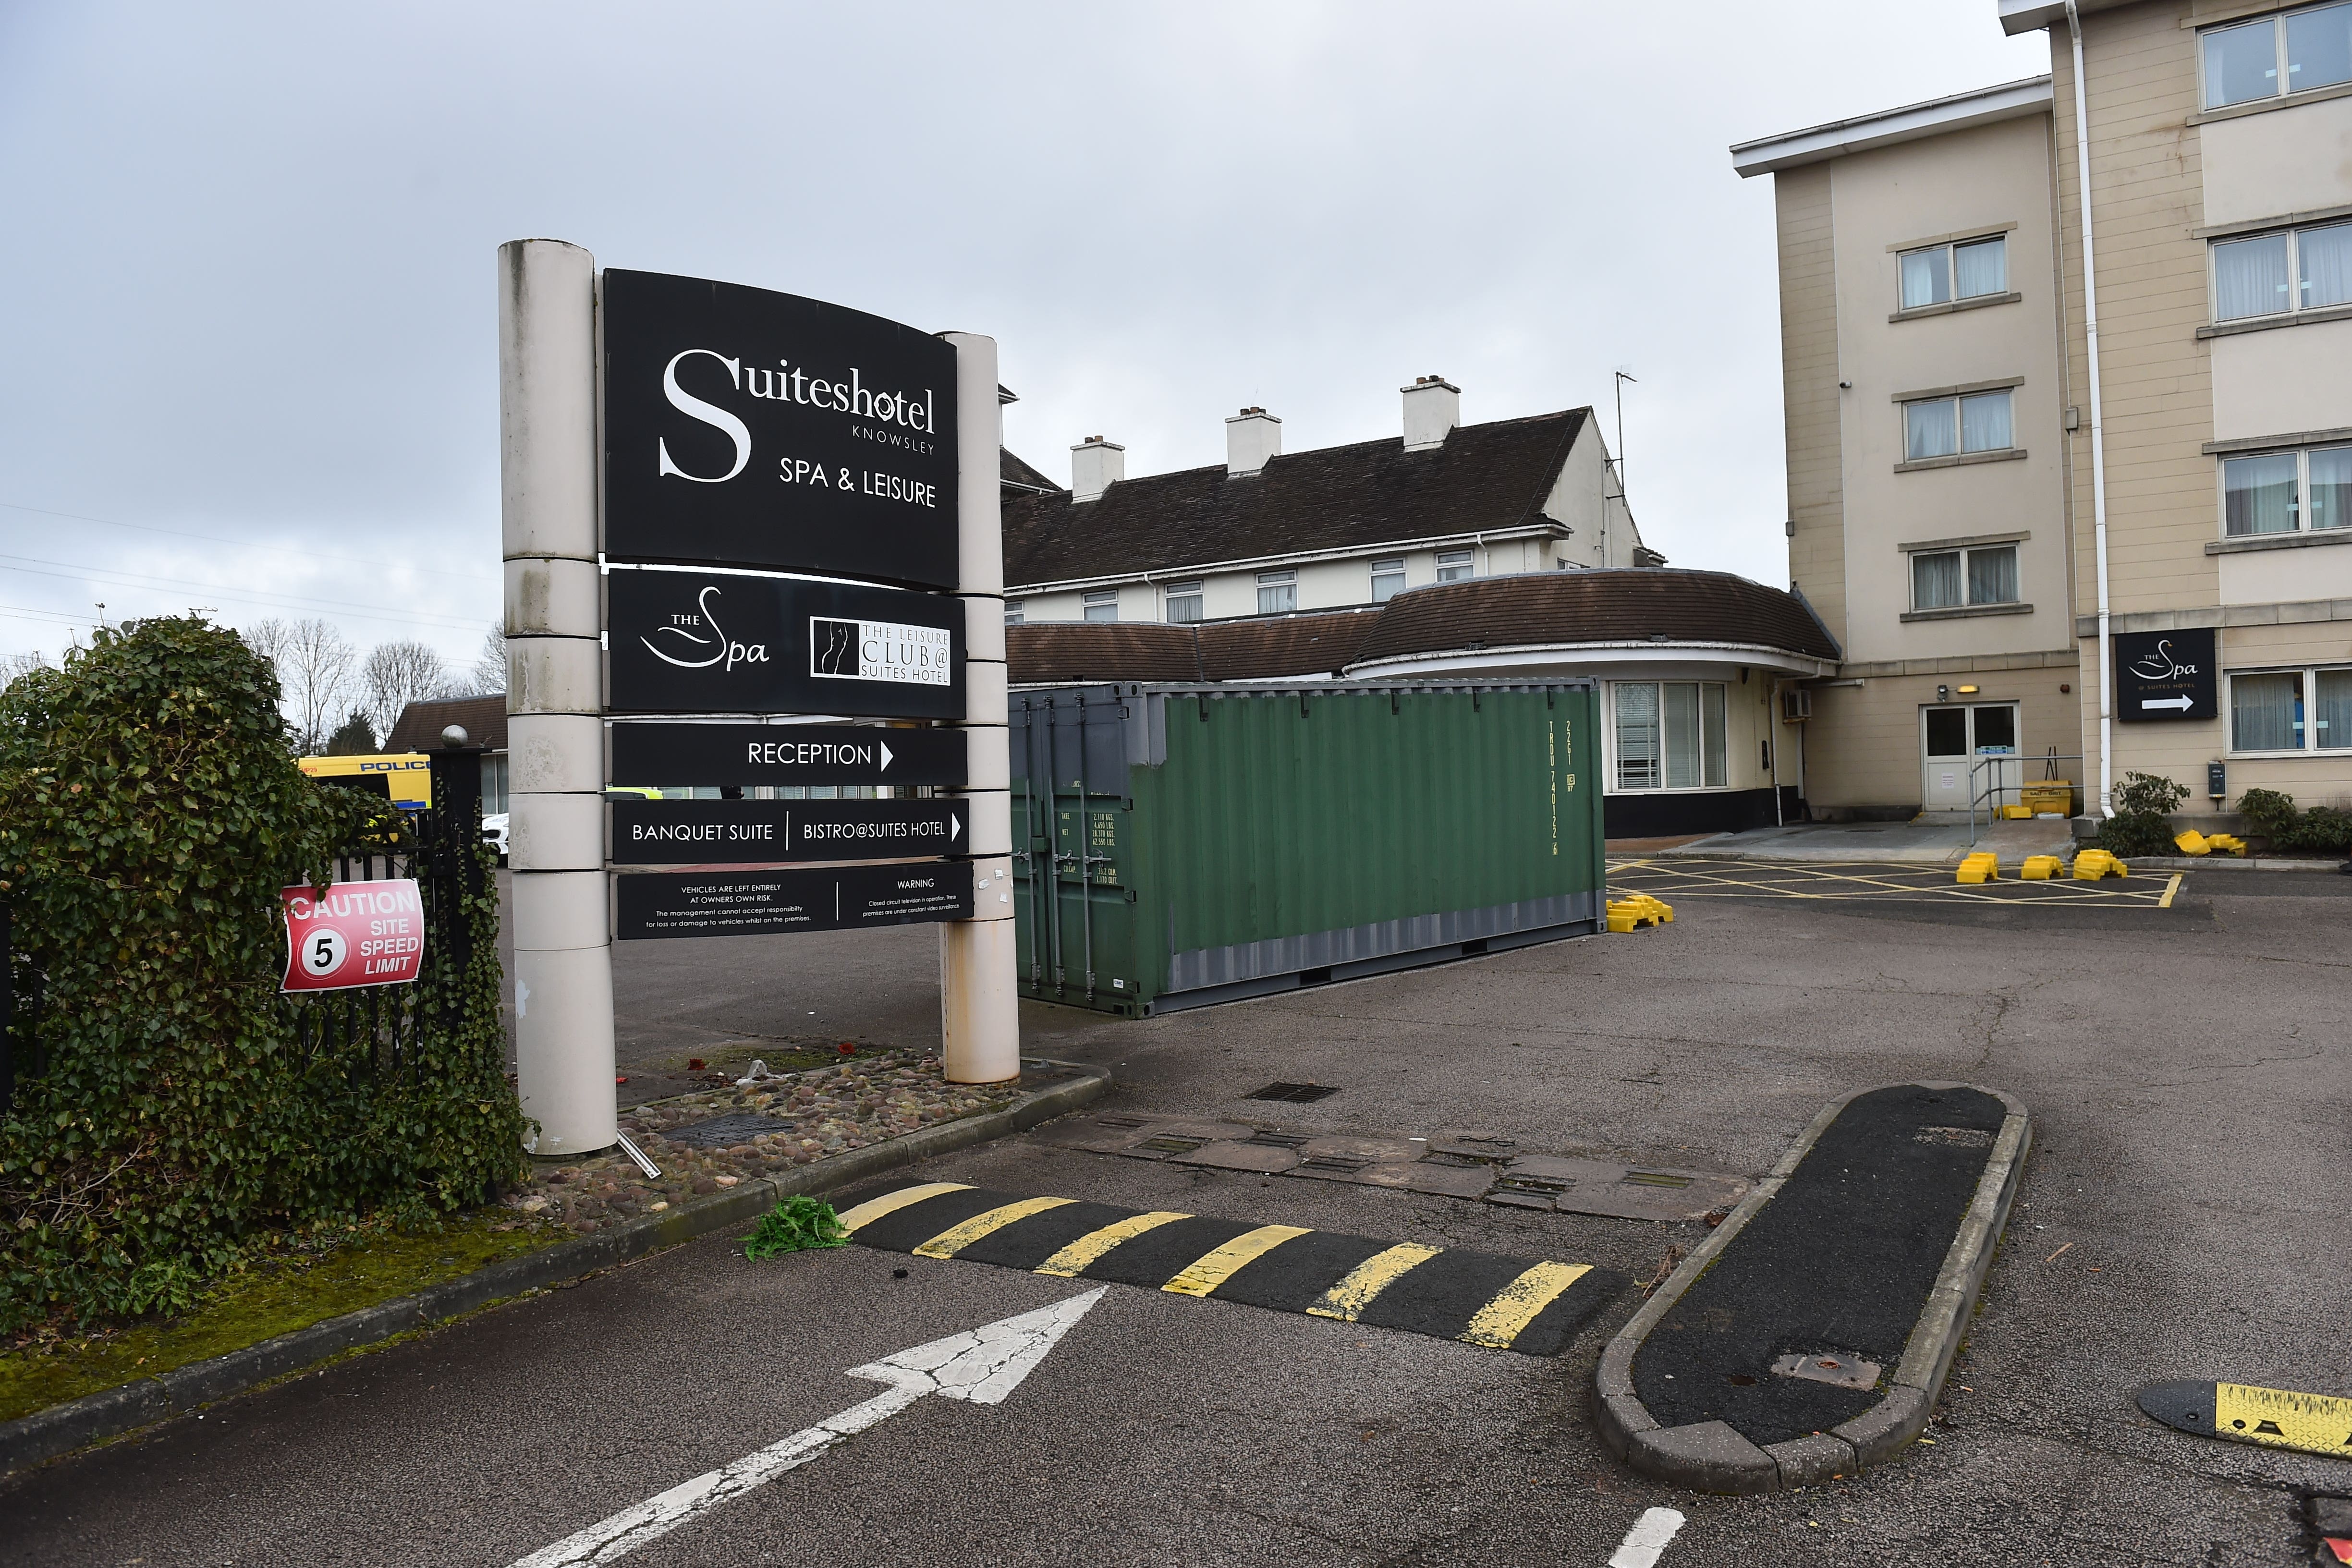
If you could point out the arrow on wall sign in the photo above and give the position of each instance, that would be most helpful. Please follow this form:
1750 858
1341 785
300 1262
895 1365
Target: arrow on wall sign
982 1364
2183 703
885 754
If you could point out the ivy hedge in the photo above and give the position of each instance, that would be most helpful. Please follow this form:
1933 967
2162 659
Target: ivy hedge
149 812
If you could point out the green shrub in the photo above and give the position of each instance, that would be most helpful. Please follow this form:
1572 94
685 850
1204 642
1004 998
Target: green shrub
2273 813
2142 821
149 812
796 1225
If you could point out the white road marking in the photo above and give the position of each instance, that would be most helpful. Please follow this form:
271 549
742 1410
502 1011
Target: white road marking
1647 1541
982 1364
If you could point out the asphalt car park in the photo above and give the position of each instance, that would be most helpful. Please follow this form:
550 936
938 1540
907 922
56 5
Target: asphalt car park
2181 1218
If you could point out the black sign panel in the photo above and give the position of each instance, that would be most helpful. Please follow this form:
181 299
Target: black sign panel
703 643
747 832
763 903
2166 676
667 753
749 428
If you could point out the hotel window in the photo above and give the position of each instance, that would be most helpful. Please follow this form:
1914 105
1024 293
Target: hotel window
2295 269
1387 580
1957 579
2291 710
1103 605
1183 602
2278 54
1454 566
2282 492
1941 274
1670 735
1278 593
1948 426
1013 611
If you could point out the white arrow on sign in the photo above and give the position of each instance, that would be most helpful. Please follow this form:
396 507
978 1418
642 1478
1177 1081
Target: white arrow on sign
955 827
2183 702
885 755
982 1364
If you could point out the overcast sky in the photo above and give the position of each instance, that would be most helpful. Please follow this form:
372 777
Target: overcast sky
246 282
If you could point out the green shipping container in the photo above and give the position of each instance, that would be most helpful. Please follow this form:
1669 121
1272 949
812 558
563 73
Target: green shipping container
1177 845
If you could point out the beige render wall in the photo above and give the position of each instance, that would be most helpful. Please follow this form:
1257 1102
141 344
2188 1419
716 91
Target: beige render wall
2148 189
1862 744
1809 389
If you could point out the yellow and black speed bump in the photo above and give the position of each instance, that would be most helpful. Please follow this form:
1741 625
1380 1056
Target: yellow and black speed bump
1525 1304
2274 1417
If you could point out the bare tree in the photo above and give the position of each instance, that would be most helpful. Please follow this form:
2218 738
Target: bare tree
398 674
315 668
490 672
15 664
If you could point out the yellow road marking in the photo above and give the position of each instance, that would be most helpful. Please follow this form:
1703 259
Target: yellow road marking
956 1238
2282 1419
1875 882
1072 1261
1369 1278
2169 889
1206 1272
874 1208
1515 1306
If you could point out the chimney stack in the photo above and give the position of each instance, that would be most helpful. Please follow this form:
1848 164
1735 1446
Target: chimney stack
1252 437
1433 406
1096 465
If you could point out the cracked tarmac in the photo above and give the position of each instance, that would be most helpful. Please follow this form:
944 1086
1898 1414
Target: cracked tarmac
2187 1073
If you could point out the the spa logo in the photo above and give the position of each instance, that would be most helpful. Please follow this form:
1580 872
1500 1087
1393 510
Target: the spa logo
696 642
846 649
2160 665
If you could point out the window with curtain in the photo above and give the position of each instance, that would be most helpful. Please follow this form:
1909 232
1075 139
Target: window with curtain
1992 575
1953 579
1938 274
1454 566
1102 605
1015 611
1928 429
1637 735
2278 492
2331 710
1936 580
1278 593
1940 428
2266 712
2323 267
1984 422
1183 603
1671 734
2243 63
1387 580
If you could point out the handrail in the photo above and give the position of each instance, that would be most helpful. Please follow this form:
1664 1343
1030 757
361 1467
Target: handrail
1991 789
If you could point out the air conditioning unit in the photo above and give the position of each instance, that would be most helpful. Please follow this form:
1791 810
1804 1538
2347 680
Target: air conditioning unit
1796 704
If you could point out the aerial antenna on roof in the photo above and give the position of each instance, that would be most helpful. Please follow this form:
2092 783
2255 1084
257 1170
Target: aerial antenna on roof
1620 463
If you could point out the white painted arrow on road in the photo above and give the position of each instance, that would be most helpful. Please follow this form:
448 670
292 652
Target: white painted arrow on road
982 1364
2183 702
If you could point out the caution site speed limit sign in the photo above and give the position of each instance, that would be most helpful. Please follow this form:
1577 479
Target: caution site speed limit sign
354 934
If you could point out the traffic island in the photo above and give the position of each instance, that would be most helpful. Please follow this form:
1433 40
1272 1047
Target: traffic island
1810 1336
160 1390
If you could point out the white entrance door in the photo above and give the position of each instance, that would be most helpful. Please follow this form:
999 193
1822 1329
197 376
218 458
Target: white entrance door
1954 737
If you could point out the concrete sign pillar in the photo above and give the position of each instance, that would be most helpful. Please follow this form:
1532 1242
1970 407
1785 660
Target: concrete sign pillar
979 1015
563 942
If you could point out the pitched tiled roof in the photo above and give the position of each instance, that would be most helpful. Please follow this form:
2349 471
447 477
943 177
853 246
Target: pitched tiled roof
1534 608
420 724
1277 647
1018 478
1619 606
1486 476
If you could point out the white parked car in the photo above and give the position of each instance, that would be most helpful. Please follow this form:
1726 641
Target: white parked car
494 832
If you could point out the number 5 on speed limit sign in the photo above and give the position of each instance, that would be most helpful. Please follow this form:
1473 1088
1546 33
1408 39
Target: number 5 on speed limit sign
354 934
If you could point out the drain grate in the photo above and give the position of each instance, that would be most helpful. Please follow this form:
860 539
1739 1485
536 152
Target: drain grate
1120 1122
1265 1139
722 1131
1170 1143
1295 1093
1654 1178
1337 1165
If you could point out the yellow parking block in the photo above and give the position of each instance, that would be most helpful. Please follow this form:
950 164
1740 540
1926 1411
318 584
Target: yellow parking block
2229 843
2090 865
2190 842
2040 868
1640 909
1982 866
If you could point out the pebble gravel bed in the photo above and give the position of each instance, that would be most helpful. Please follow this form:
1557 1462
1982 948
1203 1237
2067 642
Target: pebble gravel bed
825 1111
